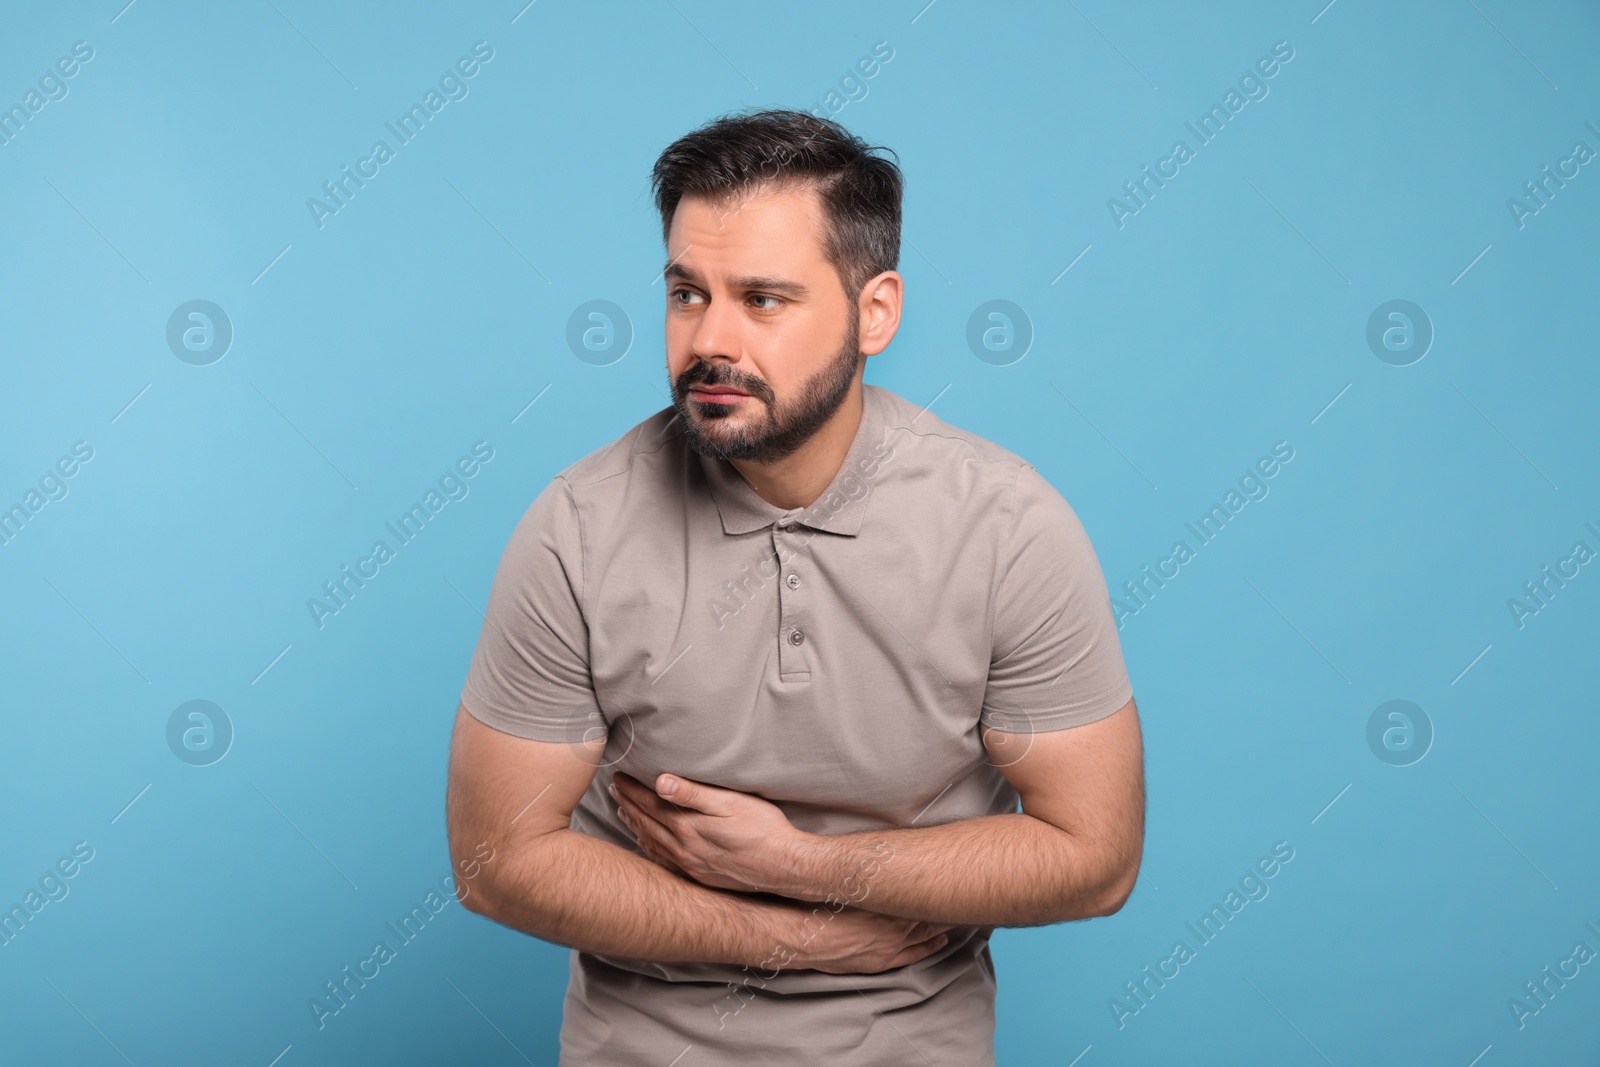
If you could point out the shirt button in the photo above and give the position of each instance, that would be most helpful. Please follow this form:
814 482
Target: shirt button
796 637
793 581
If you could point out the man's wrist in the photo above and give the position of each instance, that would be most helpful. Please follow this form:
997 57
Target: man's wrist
800 868
826 868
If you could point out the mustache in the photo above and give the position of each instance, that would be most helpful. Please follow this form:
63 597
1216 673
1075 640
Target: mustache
717 374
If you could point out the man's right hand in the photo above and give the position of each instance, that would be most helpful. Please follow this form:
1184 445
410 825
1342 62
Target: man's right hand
855 941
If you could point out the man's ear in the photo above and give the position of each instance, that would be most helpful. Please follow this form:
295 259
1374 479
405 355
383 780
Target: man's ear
878 309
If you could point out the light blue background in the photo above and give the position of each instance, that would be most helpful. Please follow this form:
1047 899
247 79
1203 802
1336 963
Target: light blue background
1228 314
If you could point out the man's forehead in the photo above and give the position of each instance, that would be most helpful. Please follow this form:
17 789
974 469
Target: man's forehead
767 220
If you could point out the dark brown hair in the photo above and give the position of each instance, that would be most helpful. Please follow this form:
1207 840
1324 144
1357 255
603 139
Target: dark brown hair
733 155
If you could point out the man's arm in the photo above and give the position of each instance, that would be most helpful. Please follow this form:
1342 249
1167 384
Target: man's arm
1072 853
515 796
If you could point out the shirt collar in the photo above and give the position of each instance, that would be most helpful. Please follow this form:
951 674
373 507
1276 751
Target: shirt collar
835 511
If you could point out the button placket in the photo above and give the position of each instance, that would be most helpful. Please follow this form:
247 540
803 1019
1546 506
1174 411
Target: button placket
794 620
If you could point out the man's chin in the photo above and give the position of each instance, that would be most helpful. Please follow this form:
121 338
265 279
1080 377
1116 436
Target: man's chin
728 446
713 447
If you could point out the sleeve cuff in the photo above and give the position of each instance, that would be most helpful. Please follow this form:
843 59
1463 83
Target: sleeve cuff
1017 720
578 727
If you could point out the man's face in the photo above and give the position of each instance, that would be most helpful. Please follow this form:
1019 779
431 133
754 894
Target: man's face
763 346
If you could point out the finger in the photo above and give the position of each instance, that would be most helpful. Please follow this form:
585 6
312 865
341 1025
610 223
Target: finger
921 930
655 854
626 820
660 859
629 816
625 815
920 951
697 795
642 798
627 807
623 786
647 830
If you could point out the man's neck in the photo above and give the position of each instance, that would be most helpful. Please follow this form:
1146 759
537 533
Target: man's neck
798 479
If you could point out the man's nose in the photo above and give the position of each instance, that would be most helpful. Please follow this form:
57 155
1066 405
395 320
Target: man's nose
718 332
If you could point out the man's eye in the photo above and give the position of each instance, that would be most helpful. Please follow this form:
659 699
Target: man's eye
775 301
684 293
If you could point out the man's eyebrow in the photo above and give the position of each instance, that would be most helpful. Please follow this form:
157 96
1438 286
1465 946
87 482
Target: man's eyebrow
746 282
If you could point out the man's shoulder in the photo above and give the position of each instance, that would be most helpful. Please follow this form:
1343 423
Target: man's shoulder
964 475
648 446
928 439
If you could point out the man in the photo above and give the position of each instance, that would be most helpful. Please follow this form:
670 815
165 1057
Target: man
762 681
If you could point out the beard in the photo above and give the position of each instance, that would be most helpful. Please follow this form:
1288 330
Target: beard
707 429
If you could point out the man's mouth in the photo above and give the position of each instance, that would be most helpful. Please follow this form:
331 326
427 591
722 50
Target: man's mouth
715 393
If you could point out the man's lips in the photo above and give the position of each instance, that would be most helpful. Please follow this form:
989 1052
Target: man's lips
715 393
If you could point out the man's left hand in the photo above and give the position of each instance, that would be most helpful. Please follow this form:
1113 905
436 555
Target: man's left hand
718 837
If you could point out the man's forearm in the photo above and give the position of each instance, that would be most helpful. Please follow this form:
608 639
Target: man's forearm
576 890
996 870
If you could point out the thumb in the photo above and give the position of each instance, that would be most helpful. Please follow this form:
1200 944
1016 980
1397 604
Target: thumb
696 795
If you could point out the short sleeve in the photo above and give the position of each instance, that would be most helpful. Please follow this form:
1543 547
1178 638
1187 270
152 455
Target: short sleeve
1056 660
529 674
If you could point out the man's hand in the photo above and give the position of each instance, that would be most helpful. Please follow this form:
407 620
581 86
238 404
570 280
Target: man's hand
852 941
717 837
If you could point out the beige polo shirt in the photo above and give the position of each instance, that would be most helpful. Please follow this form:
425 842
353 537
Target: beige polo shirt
835 659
